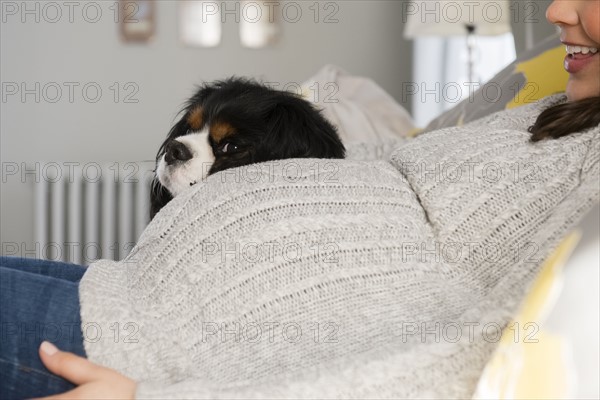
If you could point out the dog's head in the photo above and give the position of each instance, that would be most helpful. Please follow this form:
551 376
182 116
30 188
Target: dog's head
236 122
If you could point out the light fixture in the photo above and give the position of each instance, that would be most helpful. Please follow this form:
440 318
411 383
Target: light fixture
258 24
200 23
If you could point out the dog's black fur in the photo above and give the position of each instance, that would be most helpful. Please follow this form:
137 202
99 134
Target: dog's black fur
263 125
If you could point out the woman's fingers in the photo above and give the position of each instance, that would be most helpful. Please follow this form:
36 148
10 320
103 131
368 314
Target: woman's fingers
94 381
68 365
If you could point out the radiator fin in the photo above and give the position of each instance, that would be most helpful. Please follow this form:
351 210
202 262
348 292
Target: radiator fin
83 214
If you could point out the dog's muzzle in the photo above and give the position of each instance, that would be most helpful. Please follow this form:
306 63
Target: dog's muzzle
186 161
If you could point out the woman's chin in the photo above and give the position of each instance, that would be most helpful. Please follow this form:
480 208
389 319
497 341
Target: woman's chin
578 90
584 84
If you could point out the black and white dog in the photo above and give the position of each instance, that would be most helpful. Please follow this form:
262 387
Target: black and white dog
236 122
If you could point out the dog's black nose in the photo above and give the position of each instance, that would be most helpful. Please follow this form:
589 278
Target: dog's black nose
176 151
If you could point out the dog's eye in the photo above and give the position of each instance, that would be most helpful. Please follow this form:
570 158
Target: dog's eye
228 147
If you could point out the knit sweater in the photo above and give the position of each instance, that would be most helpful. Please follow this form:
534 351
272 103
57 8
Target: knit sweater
342 278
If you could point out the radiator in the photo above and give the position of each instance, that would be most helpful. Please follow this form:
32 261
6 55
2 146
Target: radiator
89 211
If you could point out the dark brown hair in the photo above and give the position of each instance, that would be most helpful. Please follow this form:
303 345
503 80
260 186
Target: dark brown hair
564 119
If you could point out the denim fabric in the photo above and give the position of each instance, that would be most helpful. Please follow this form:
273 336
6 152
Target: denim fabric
39 301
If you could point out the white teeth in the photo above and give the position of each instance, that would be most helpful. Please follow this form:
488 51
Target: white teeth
581 49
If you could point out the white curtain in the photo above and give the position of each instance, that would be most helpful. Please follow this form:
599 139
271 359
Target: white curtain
440 70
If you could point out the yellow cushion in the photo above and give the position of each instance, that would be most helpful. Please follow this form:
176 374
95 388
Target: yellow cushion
545 75
535 74
531 362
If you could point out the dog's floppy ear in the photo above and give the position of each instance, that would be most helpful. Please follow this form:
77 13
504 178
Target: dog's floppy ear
159 197
296 129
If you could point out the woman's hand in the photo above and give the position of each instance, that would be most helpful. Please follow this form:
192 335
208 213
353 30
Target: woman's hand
94 381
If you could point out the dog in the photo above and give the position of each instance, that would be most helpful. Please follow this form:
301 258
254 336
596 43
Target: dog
236 122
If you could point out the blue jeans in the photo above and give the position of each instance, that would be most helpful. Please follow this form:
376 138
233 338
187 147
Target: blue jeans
39 301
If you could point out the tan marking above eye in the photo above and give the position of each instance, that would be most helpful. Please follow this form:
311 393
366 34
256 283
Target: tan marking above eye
194 118
220 130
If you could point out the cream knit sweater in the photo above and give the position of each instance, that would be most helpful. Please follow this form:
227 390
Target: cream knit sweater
342 278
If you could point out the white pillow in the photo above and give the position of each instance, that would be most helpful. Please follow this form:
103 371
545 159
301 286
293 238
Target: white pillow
360 109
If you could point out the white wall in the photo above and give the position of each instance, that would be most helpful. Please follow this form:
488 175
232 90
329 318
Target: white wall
367 40
529 24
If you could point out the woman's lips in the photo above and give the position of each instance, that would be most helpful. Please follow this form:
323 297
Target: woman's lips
578 61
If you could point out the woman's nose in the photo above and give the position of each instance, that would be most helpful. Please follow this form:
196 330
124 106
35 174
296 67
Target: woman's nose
563 12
